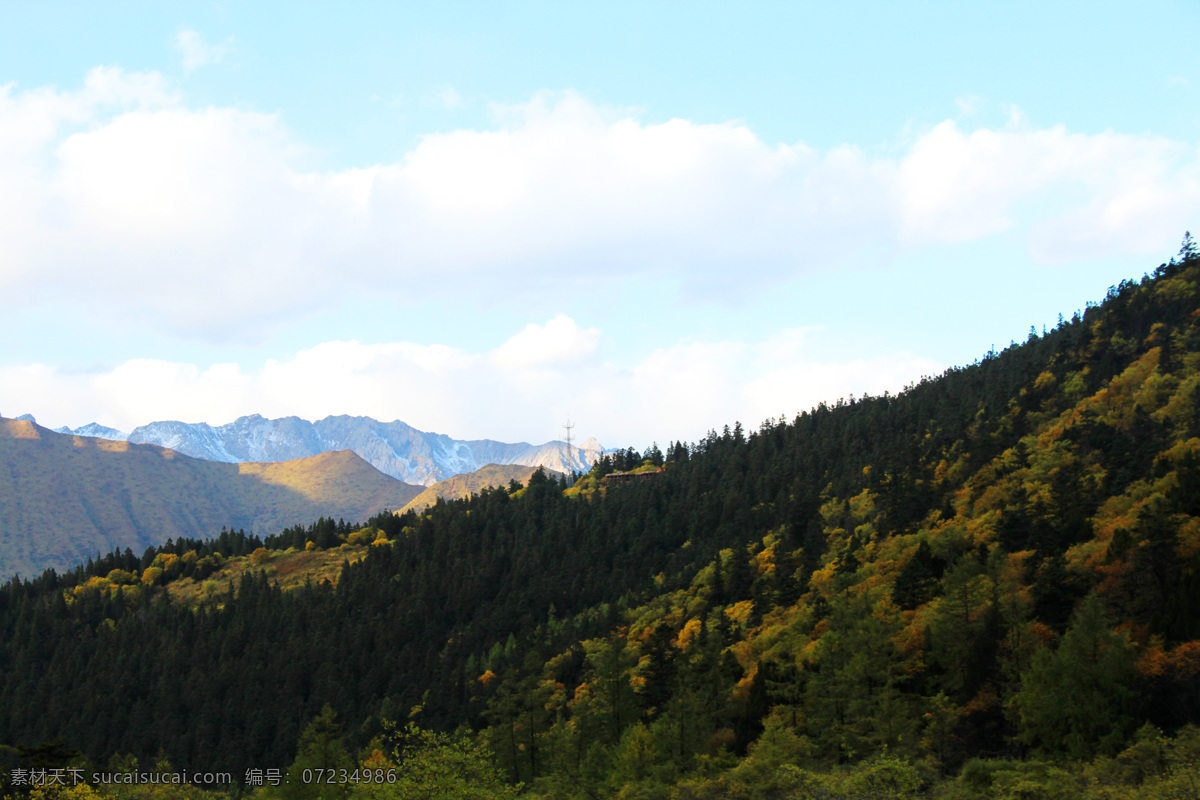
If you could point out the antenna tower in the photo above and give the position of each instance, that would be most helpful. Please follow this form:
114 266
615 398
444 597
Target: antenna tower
570 426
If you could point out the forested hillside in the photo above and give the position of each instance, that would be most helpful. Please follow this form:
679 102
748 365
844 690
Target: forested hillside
989 581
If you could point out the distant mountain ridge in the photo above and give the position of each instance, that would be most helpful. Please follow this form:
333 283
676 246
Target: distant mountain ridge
65 498
394 448
467 484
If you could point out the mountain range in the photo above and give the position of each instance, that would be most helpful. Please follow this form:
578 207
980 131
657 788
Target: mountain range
65 498
394 448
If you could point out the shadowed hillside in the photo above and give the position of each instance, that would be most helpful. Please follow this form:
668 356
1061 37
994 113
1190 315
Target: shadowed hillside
66 498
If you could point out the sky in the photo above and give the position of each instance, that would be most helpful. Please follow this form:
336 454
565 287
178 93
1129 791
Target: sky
487 219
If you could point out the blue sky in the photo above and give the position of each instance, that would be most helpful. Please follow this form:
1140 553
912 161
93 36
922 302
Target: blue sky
482 218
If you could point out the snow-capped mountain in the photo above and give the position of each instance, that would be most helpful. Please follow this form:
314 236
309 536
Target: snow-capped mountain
92 429
394 448
96 431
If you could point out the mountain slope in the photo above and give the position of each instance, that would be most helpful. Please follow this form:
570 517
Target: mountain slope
94 430
66 498
1000 563
467 484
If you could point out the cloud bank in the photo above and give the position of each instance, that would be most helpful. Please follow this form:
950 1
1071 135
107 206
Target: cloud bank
523 389
204 221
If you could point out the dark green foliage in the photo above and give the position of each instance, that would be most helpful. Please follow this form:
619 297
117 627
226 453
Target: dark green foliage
918 581
1081 698
320 748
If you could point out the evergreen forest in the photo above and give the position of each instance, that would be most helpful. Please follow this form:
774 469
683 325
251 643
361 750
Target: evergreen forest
987 585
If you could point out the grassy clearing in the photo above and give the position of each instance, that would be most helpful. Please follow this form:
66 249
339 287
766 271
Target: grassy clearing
288 569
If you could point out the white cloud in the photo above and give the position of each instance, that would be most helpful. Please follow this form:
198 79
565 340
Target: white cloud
969 105
202 222
1089 194
521 390
449 97
559 341
196 52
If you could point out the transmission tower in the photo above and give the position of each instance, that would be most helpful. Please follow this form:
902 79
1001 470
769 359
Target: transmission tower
570 426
